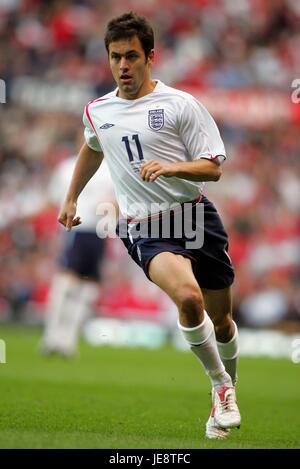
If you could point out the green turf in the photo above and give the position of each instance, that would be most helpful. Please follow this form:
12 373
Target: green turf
135 398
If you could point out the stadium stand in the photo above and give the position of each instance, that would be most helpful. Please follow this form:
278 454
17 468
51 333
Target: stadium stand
53 60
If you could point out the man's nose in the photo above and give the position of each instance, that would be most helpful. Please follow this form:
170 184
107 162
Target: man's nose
123 64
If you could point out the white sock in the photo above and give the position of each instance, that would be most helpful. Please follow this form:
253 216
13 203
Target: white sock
78 308
203 344
61 288
229 353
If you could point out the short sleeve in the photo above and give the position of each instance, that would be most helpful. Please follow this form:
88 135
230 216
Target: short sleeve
89 133
200 133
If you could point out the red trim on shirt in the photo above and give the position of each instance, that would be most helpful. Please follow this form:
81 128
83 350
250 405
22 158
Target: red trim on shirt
97 99
87 110
89 117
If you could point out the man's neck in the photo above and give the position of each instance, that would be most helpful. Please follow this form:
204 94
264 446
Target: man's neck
149 89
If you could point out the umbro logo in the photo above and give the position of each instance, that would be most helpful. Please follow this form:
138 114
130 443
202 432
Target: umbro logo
106 126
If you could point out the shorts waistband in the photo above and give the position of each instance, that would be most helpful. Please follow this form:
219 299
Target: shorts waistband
162 213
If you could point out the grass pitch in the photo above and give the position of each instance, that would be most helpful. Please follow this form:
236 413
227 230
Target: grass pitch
135 398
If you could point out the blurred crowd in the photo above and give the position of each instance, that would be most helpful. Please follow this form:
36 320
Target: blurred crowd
53 60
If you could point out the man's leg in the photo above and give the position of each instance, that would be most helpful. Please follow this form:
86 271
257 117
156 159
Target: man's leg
71 302
78 308
64 287
174 274
218 304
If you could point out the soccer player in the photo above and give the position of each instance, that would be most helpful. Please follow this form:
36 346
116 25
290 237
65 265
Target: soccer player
75 286
161 145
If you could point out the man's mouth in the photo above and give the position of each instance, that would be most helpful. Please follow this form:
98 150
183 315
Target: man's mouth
125 78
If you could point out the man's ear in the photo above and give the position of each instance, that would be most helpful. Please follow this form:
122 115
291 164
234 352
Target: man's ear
150 58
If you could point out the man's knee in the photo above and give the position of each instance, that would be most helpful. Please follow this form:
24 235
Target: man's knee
189 299
223 327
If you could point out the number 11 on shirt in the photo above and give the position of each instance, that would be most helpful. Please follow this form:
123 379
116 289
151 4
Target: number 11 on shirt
134 137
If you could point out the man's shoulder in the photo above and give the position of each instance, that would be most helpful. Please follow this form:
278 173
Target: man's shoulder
176 93
102 99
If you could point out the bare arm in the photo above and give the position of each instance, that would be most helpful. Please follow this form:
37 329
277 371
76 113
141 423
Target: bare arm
198 170
87 163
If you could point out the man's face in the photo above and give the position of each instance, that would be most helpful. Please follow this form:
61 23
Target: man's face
130 68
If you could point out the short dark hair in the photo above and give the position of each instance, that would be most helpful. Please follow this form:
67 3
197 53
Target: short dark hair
128 25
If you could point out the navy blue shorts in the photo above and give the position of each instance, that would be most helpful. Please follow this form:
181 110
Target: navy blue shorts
211 263
82 254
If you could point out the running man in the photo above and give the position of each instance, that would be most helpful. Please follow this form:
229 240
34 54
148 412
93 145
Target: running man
161 145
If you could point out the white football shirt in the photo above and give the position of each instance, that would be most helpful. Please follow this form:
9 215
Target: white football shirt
167 125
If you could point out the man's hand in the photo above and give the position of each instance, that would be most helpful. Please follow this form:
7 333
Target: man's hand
202 169
153 169
67 215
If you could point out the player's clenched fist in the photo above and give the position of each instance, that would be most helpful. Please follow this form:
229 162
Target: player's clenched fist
153 169
67 215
